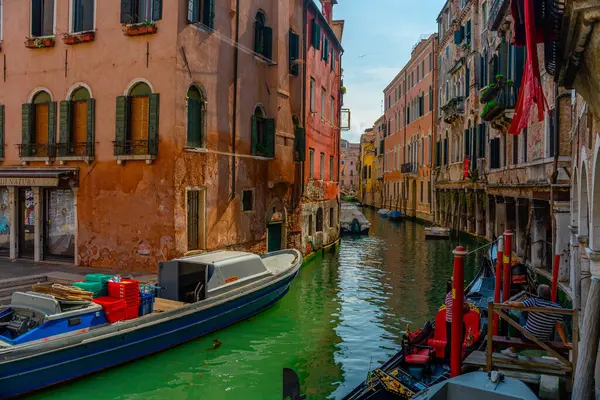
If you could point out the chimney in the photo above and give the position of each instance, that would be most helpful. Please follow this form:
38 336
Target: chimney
327 7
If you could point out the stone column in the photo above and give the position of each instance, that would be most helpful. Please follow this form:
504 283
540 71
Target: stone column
562 218
500 216
521 226
590 334
585 280
37 235
575 267
13 224
538 234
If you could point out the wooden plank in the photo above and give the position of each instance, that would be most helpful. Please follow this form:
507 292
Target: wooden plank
161 305
477 359
533 338
490 350
520 343
528 362
561 311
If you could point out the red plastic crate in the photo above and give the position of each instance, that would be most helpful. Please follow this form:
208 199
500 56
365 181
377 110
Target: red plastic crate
114 309
123 289
132 311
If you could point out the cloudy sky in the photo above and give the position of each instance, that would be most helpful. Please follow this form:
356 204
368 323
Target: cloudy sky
378 38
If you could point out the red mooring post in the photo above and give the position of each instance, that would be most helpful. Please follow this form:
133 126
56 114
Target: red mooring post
507 264
457 311
555 277
498 286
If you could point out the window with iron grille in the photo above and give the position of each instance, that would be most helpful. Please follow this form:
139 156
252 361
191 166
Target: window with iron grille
247 200
331 218
195 220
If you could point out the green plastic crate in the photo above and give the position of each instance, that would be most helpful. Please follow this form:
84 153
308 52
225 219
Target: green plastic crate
94 287
97 278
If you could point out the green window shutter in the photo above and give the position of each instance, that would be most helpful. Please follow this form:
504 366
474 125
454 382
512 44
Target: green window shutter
52 129
467 82
457 37
153 122
208 18
462 34
127 16
268 42
156 10
468 32
315 34
27 124
1 131
122 119
294 53
300 144
65 128
254 138
269 144
91 128
194 133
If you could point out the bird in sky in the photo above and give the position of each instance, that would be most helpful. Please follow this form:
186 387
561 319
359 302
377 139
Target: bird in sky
363 56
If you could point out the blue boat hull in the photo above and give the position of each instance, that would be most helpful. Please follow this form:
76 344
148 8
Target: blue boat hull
38 371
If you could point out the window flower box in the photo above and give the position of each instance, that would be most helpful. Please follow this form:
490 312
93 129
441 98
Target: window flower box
39 43
76 38
492 110
140 29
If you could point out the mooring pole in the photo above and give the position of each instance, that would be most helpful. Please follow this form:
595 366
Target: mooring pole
508 235
457 311
555 277
498 285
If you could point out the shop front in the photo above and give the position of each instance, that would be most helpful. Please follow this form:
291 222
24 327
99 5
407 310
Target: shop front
38 217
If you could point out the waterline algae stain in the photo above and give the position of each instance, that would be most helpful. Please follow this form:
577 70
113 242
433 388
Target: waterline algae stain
346 309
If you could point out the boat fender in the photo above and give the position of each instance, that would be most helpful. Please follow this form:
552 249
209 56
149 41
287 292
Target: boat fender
216 345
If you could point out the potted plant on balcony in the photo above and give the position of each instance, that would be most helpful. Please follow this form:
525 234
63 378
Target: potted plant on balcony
145 28
38 43
491 110
488 93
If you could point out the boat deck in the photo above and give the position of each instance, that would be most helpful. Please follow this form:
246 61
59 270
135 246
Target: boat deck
162 305
478 359
277 263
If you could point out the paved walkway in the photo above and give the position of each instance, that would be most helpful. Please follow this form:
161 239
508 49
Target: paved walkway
10 269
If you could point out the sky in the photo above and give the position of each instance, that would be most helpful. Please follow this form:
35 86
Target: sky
378 38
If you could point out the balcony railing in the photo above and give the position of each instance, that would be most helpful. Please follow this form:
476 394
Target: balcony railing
36 150
409 168
498 98
497 13
453 109
135 147
79 149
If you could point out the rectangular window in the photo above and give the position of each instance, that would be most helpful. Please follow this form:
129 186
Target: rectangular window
422 192
484 16
311 160
42 18
247 200
332 106
316 35
331 218
325 52
83 15
430 62
322 167
312 95
331 177
1 20
515 148
495 153
139 11
323 97
333 59
294 53
428 192
196 221
423 69
525 145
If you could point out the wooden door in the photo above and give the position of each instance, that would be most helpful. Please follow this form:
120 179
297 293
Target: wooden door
139 118
79 122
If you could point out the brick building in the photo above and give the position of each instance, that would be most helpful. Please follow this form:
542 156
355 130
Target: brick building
349 167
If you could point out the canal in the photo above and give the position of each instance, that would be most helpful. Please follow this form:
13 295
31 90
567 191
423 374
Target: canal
346 310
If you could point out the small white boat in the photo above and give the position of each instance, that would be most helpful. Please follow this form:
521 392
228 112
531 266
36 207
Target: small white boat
383 212
353 221
437 232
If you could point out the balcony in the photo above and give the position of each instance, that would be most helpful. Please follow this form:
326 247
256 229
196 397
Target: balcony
497 13
36 152
454 109
80 151
135 150
409 168
500 100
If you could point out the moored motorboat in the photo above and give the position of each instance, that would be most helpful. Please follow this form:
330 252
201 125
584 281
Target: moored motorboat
395 216
437 232
353 221
383 212
419 364
43 343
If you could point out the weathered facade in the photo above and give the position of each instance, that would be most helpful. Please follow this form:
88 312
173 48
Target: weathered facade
178 141
378 195
368 150
410 133
349 167
320 200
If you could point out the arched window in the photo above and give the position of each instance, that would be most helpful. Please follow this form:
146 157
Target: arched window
39 127
430 98
320 220
137 123
196 118
263 134
263 36
77 125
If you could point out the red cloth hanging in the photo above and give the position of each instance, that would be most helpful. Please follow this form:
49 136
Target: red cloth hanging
531 88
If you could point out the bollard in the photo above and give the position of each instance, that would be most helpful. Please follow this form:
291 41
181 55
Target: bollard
498 284
506 279
457 311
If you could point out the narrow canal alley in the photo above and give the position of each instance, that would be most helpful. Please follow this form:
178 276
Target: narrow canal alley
346 310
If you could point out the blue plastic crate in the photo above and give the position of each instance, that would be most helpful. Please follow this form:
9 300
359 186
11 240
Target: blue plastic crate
146 303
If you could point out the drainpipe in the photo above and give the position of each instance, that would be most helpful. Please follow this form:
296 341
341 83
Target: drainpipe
236 55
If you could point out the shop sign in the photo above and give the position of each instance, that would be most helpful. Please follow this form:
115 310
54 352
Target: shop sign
33 182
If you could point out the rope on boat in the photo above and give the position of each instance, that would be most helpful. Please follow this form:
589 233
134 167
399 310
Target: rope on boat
483 247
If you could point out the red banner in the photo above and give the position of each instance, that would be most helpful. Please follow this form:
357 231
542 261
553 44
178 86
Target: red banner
466 173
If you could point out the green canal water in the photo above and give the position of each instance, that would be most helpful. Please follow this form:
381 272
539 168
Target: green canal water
346 310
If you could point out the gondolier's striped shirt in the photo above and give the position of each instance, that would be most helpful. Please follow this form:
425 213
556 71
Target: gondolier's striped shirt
449 307
541 324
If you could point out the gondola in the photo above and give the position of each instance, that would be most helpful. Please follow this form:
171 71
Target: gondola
419 364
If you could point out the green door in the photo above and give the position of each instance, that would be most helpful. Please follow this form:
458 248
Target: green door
274 237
